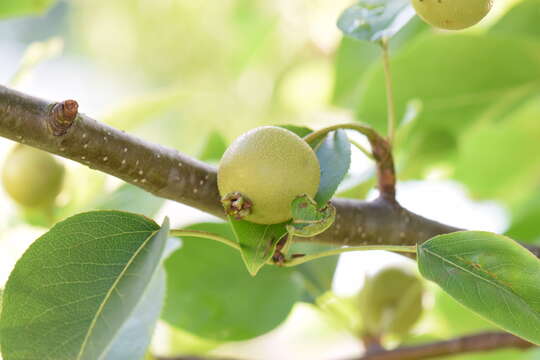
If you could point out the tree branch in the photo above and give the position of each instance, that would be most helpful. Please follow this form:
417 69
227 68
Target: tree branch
59 129
159 170
482 342
467 344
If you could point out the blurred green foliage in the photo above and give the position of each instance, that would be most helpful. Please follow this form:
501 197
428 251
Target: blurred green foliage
10 8
210 70
227 65
210 293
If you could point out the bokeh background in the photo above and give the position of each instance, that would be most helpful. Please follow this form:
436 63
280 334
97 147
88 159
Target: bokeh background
188 73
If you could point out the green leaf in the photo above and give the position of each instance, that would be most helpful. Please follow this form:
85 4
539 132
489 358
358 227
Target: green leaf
75 286
480 82
373 20
210 294
521 20
534 355
257 242
10 8
214 147
334 155
485 152
317 274
355 59
454 319
525 224
308 219
352 62
141 323
451 88
298 130
129 198
510 144
490 274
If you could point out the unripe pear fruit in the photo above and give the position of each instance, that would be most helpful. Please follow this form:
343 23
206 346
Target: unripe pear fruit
32 177
269 167
452 14
391 302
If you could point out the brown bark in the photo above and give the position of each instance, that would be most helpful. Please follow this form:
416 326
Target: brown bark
467 344
172 175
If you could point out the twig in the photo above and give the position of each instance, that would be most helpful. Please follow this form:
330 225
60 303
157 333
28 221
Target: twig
360 147
372 344
488 341
58 129
467 344
172 175
205 235
303 259
391 109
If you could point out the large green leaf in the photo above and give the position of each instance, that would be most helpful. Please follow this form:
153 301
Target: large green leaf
510 144
458 79
454 89
490 274
453 319
75 286
140 324
522 19
334 154
373 20
354 59
9 8
525 224
317 274
210 293
257 242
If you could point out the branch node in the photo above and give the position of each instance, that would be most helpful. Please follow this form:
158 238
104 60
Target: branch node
62 116
381 149
386 174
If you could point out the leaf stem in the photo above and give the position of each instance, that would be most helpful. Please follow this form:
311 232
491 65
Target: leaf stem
205 235
361 148
304 259
389 92
366 130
